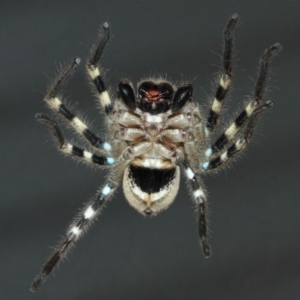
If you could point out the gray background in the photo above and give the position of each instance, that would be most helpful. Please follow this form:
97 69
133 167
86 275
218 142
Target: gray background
253 205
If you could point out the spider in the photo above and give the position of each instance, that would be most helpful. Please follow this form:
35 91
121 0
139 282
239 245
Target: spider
153 133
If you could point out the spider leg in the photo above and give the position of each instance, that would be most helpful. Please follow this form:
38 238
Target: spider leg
94 71
225 78
70 149
55 103
81 223
237 147
200 199
252 109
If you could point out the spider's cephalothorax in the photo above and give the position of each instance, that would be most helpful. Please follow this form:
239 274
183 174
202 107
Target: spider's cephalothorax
153 133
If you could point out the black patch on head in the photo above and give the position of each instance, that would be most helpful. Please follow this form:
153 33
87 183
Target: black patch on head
163 87
151 180
155 98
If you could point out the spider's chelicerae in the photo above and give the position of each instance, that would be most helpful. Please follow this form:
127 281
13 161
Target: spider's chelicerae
152 134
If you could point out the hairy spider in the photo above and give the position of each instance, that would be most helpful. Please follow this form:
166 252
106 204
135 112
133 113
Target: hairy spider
152 133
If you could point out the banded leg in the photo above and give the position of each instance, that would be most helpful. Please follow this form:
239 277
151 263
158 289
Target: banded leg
94 70
239 145
200 199
81 224
56 104
230 133
220 160
225 78
253 108
70 149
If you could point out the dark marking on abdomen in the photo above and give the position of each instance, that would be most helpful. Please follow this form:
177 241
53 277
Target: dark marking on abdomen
151 180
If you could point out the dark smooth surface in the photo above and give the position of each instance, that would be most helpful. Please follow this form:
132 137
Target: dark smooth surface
151 180
253 205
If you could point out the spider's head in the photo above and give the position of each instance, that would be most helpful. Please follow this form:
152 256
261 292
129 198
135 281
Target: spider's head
155 97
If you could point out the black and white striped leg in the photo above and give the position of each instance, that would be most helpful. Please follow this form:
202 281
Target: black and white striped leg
56 104
199 197
225 78
224 157
253 108
81 224
71 150
239 146
230 133
95 72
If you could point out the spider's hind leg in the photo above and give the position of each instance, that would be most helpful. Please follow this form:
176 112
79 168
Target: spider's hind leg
81 223
199 197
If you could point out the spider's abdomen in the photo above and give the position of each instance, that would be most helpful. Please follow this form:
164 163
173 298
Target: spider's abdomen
150 190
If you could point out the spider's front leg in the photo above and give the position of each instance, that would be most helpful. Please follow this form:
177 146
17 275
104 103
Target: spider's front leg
55 102
225 78
82 222
199 197
71 150
95 71
248 118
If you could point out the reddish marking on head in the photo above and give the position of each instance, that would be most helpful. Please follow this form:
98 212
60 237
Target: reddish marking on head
153 95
